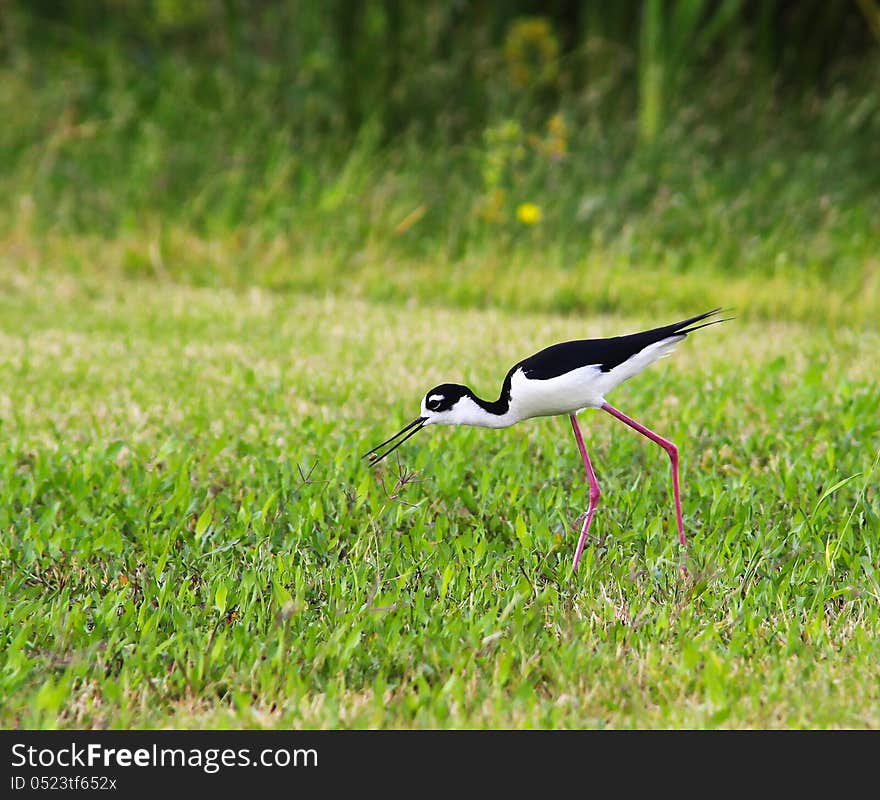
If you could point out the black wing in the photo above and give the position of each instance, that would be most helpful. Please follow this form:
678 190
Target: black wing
607 353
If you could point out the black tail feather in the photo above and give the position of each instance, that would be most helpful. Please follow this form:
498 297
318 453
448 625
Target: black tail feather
684 327
706 325
605 353
679 327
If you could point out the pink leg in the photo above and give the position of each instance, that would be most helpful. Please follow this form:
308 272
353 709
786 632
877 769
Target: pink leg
594 491
671 449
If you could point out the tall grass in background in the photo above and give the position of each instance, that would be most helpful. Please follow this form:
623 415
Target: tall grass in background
674 38
452 152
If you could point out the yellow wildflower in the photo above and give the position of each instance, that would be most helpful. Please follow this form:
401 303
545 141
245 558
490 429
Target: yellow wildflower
528 213
556 143
531 51
490 208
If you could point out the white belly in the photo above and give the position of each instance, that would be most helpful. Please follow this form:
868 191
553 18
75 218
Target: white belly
565 394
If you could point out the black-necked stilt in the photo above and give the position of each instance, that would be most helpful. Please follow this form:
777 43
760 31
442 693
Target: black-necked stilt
564 378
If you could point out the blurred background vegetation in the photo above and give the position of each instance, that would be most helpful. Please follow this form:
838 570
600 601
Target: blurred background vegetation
558 156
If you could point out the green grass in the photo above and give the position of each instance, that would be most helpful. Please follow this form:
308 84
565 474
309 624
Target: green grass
212 174
189 537
216 294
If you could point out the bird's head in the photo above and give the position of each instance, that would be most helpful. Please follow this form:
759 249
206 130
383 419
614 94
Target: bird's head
443 405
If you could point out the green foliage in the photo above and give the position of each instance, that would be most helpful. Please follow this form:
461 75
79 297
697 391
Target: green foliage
239 239
145 133
437 67
672 43
191 539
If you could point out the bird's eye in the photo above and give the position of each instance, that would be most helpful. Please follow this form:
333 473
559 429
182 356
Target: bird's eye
433 402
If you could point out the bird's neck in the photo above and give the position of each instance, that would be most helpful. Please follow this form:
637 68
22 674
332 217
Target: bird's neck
495 408
487 413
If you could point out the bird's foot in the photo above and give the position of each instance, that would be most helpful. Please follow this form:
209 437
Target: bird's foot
579 521
683 565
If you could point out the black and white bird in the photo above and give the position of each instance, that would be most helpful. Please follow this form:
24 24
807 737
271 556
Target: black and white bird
565 378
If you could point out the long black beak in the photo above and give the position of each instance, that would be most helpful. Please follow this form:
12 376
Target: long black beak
418 423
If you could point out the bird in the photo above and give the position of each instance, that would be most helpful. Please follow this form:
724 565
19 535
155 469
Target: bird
563 379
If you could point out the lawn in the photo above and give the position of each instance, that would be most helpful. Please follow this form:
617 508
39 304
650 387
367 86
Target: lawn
190 538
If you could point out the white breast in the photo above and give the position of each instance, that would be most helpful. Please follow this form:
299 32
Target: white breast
563 394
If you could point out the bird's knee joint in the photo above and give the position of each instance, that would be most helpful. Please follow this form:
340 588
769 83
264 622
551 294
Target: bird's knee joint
595 494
